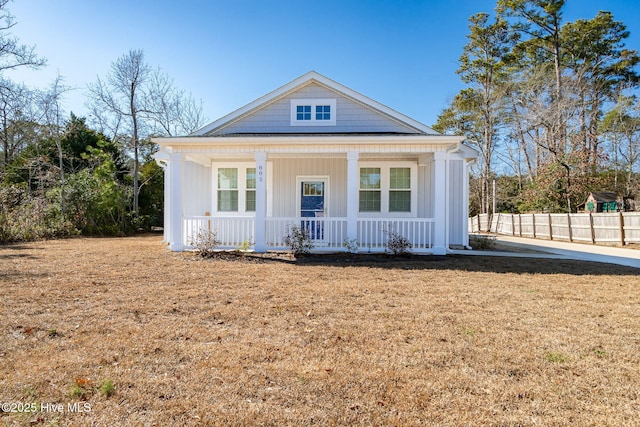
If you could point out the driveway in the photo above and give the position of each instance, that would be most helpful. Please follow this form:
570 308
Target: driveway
540 248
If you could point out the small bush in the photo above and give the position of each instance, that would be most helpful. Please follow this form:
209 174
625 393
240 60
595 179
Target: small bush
205 243
396 243
298 241
245 245
351 245
483 243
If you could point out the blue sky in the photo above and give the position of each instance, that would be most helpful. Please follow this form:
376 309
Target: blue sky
402 53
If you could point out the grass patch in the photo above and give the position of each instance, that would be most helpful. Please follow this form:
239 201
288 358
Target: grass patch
107 388
556 357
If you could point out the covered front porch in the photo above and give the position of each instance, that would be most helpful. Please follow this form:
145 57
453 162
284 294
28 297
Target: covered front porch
344 194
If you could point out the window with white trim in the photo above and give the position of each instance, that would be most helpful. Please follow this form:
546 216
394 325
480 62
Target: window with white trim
388 188
227 190
235 188
323 112
400 190
370 190
313 112
250 202
303 112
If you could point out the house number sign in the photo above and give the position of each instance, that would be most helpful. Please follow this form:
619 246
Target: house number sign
260 173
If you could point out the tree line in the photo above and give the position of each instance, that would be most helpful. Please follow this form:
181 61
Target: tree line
551 106
61 174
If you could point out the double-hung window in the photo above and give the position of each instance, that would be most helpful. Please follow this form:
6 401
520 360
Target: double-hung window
235 188
250 202
227 189
370 190
313 112
399 189
387 188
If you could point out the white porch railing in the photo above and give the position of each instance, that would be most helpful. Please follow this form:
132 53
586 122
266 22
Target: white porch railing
232 232
327 233
373 233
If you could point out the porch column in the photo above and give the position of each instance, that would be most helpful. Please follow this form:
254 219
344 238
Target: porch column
260 243
352 194
167 215
175 202
440 203
465 203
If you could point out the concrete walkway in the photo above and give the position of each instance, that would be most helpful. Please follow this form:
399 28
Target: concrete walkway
563 250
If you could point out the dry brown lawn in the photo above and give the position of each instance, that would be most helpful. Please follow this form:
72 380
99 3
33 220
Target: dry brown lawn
420 341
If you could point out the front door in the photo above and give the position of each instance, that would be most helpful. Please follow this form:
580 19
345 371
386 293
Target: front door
312 205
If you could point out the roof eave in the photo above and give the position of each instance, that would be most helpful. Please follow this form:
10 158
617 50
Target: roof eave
305 140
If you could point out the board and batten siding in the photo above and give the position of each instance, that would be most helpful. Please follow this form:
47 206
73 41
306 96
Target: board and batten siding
456 213
285 172
285 188
351 116
196 189
425 191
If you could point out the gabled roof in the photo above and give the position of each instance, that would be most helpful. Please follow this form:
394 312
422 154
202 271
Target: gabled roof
604 196
302 81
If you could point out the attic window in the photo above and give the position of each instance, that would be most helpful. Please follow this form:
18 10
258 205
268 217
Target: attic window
323 112
313 112
303 112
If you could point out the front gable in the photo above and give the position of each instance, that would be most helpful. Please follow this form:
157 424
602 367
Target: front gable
313 104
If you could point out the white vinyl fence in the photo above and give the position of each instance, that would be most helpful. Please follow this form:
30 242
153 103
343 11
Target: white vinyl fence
598 228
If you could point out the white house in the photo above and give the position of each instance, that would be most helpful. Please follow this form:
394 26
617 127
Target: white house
316 154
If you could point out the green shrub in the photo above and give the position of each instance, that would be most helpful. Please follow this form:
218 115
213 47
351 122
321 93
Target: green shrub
298 240
25 216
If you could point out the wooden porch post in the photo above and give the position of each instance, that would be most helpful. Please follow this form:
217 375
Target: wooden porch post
440 203
175 202
260 243
353 177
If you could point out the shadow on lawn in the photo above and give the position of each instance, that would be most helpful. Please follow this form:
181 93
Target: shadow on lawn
483 264
10 251
8 277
